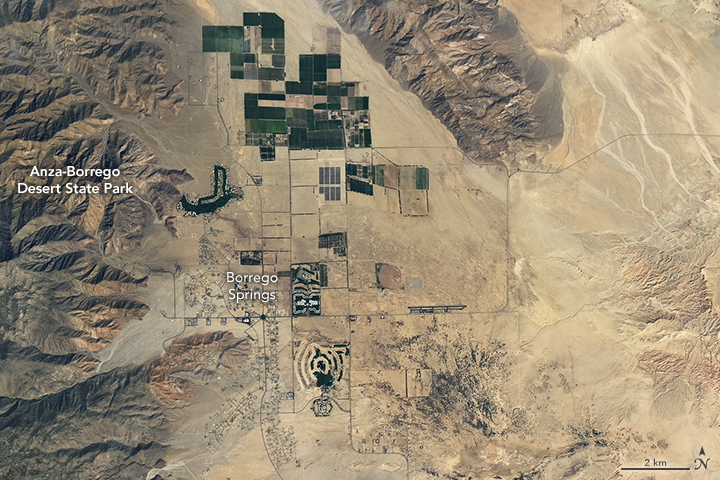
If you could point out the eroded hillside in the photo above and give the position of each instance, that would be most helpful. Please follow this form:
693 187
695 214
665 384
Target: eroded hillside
470 65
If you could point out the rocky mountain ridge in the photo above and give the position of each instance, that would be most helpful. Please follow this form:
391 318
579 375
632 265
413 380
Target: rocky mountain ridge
471 67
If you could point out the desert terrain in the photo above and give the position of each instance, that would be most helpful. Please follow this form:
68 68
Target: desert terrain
477 240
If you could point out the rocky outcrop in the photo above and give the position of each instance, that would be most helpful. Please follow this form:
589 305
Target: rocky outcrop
111 425
107 426
662 285
76 76
471 67
85 52
193 361
69 71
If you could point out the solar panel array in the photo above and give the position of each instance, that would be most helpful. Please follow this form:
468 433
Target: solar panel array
330 176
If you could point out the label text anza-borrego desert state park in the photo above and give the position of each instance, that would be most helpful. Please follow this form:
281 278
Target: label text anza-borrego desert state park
71 188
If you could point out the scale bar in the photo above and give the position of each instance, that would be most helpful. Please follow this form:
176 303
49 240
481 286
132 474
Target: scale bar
656 468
